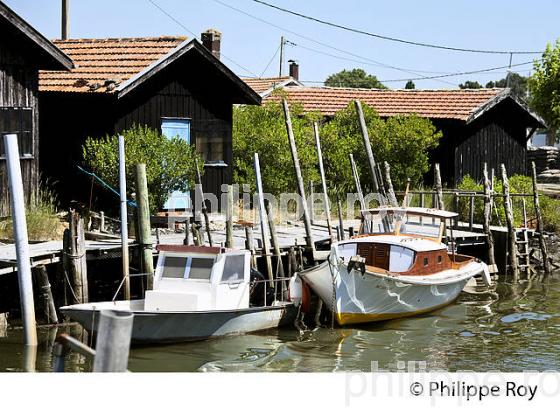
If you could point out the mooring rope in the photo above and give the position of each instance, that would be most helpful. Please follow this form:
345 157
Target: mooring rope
106 185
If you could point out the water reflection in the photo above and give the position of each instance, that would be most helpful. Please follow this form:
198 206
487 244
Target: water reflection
508 328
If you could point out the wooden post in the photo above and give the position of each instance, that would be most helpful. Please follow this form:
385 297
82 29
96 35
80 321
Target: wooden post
250 245
299 177
45 294
340 220
3 324
113 341
74 256
276 248
311 203
323 178
367 145
196 235
357 182
263 218
186 240
17 203
101 221
540 226
512 245
471 213
124 219
144 228
229 217
203 205
390 191
487 220
438 187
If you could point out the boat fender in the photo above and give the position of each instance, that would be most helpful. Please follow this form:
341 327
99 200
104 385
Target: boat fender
295 290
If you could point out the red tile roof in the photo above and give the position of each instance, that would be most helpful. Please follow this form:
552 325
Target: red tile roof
260 85
103 64
452 104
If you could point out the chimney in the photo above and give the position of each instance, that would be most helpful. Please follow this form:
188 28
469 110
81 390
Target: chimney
211 39
294 69
65 21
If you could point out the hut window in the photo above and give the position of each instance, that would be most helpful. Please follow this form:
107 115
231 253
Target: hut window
439 259
426 263
14 120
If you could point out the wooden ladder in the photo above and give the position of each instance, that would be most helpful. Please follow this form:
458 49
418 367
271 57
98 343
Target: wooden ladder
523 252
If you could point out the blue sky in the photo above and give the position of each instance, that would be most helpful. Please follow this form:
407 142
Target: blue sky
497 24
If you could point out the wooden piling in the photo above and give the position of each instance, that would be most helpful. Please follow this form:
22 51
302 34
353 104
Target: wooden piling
389 183
357 182
488 219
17 203
323 178
471 213
229 217
102 221
276 248
203 205
112 346
124 218
540 225
250 245
186 239
45 294
263 218
512 245
367 145
144 228
299 177
74 256
340 220
438 187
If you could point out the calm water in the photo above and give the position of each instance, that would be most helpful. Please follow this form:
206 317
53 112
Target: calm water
508 329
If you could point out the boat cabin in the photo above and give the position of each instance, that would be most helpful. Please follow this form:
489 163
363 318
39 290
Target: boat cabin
401 240
191 278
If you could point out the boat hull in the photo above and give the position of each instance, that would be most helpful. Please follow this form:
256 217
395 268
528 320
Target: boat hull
358 298
171 327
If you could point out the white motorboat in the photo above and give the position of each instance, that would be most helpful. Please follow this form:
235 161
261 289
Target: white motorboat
199 293
398 266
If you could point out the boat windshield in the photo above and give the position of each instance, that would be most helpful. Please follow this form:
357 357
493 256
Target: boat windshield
401 222
182 267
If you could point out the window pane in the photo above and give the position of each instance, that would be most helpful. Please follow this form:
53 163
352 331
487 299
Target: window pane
200 268
174 266
234 268
401 259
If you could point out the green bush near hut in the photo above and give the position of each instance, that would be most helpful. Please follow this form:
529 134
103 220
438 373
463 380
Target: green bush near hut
170 162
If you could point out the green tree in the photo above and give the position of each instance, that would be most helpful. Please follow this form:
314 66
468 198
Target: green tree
262 129
470 85
356 78
170 162
410 85
544 89
516 82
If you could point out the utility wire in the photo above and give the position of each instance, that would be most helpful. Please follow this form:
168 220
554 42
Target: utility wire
319 42
195 35
398 40
270 62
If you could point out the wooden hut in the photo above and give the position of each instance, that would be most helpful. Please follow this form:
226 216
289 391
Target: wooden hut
482 125
171 84
23 52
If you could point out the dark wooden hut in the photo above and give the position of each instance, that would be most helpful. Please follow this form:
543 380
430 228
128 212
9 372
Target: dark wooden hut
167 83
482 125
23 52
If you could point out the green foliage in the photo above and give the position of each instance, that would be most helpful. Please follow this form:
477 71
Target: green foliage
516 82
262 129
470 84
410 85
170 162
519 184
544 86
356 78
43 223
403 141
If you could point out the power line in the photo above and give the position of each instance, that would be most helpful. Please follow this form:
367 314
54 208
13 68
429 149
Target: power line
270 62
195 35
394 39
319 42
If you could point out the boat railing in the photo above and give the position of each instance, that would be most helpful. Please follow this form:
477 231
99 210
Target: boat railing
129 275
279 293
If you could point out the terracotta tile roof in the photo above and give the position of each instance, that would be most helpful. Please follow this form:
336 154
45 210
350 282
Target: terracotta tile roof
100 62
452 104
260 85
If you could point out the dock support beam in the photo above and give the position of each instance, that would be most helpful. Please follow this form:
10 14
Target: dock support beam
229 217
45 294
488 219
203 206
124 219
74 257
439 188
357 183
144 228
21 240
540 227
512 245
323 179
367 145
389 182
263 218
